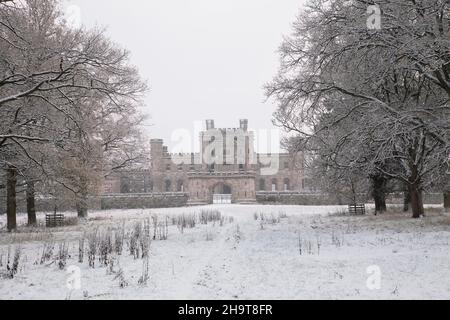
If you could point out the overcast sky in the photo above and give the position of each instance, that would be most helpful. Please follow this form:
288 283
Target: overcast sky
202 58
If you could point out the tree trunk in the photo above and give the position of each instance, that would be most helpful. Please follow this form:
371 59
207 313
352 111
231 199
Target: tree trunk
82 200
416 201
406 201
11 180
31 210
380 204
82 209
379 193
447 201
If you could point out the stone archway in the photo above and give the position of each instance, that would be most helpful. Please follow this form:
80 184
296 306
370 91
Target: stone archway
222 193
221 188
202 188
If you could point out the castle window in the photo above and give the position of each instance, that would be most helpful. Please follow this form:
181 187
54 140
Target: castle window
168 167
180 167
274 184
286 184
168 185
286 165
262 184
180 186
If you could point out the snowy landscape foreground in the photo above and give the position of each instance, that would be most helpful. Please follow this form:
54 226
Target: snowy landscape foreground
231 252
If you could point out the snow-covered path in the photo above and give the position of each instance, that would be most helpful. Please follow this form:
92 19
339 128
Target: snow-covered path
254 258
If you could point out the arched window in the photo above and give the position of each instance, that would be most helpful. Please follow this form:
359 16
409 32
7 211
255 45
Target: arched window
286 184
274 184
262 184
180 186
168 186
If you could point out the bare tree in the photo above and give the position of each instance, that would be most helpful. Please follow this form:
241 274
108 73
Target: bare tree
50 75
340 78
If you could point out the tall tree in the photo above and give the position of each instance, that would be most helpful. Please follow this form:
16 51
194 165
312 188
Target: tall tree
48 74
339 77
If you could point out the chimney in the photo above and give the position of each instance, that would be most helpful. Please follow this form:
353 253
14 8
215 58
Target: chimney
209 124
243 124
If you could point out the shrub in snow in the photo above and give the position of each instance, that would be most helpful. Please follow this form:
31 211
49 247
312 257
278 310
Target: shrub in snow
145 239
145 273
63 254
206 216
133 242
282 215
12 265
92 247
119 236
47 252
81 249
120 276
105 247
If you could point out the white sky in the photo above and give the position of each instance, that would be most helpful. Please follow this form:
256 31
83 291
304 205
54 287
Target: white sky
202 58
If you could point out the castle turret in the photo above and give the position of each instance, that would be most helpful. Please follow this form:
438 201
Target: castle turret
243 124
209 124
156 153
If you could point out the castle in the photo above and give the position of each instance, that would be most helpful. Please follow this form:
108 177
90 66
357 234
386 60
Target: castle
227 170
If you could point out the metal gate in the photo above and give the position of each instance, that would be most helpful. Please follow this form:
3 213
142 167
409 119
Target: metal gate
221 198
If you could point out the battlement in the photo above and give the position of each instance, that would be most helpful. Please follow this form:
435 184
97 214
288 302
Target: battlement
226 130
243 126
184 154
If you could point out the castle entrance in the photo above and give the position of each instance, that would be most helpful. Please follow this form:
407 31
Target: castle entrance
222 193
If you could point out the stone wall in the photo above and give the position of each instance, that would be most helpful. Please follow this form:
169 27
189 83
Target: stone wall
119 201
296 198
428 198
179 199
136 201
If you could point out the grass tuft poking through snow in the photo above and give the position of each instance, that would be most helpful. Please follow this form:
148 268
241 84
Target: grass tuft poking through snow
229 252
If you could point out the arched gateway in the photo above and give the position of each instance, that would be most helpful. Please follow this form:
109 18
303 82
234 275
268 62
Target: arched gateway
222 193
232 187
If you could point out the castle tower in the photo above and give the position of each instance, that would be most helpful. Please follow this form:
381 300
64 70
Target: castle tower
157 163
209 124
243 124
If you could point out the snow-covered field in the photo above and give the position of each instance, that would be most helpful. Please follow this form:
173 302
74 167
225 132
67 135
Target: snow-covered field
262 252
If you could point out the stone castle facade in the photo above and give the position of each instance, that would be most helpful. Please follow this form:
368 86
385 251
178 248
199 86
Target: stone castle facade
227 166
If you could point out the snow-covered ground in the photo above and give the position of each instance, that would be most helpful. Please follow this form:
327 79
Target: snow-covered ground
294 252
